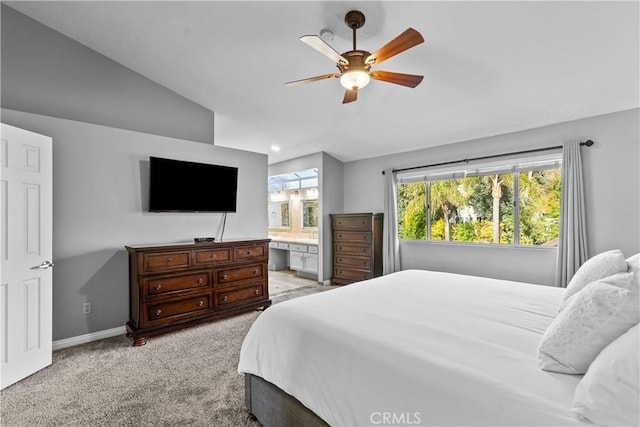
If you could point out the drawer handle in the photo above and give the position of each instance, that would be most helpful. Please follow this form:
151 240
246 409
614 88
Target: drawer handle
225 277
214 256
340 247
158 312
339 259
168 261
158 287
364 249
340 236
249 253
225 298
201 281
201 303
257 292
255 271
364 237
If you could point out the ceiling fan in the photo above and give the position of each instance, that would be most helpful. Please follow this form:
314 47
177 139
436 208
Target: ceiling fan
355 65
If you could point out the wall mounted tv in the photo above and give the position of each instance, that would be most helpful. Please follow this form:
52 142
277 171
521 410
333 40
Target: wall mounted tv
179 186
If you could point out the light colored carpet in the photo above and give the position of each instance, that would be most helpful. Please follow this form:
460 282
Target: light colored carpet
184 378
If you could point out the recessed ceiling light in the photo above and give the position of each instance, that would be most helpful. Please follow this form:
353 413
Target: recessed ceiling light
275 148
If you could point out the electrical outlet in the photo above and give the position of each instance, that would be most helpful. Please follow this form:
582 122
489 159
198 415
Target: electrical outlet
86 307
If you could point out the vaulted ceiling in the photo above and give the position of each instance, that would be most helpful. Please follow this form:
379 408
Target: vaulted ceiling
489 67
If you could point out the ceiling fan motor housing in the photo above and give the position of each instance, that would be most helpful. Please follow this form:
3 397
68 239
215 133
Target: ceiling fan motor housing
356 61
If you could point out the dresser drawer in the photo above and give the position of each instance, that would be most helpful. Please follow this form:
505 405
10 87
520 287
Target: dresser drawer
352 236
255 291
211 256
352 273
159 313
356 222
165 261
362 249
243 253
352 261
228 275
166 285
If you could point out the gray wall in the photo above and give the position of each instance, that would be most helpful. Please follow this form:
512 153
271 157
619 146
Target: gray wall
332 184
105 121
100 187
612 186
47 73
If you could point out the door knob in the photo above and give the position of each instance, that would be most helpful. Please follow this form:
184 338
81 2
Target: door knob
45 265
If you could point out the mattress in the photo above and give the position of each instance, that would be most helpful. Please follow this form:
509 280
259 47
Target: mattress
415 348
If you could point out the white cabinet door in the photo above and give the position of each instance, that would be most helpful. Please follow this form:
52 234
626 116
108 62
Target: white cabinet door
26 253
311 263
296 260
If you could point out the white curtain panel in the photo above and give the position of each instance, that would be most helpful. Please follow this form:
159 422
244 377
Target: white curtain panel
572 242
390 243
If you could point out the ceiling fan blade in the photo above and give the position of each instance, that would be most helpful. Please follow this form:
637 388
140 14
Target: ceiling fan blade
409 80
321 46
408 39
312 79
350 95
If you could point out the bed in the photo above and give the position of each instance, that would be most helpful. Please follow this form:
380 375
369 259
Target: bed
411 348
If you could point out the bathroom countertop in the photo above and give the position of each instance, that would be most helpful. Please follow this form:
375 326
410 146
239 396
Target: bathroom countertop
299 240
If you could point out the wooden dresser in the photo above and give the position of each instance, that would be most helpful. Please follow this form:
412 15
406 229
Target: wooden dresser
175 286
357 247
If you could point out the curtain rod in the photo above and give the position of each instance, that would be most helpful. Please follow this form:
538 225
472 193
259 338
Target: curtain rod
587 143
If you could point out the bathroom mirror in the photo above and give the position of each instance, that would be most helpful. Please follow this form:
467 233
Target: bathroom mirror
279 215
310 214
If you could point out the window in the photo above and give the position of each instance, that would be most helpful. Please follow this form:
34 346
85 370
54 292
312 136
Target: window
513 202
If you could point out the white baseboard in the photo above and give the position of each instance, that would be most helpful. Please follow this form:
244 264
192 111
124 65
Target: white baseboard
93 336
326 282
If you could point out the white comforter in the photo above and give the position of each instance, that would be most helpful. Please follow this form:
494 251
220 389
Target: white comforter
415 348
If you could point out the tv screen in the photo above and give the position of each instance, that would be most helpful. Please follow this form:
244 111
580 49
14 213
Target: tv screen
179 186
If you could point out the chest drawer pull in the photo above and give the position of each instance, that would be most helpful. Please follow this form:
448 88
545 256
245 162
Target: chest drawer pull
158 287
168 261
201 280
225 298
201 303
255 271
158 312
214 256
225 277
257 292
249 253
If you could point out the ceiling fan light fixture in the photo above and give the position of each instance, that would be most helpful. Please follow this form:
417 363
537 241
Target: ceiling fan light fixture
354 79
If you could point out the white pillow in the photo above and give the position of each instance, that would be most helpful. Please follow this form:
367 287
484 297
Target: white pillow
621 280
592 319
633 262
596 268
608 394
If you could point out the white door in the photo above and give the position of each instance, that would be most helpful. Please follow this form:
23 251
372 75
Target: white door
25 253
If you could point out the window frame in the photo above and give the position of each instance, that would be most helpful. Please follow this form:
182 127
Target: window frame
516 165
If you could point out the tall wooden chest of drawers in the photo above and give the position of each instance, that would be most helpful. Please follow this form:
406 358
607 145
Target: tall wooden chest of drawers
175 286
357 247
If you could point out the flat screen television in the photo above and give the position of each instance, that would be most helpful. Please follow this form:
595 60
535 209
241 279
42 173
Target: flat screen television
179 186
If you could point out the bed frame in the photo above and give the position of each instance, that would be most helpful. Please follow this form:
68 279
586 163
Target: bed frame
273 407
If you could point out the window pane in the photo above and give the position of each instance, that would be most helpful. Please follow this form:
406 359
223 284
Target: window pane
539 207
475 209
412 216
